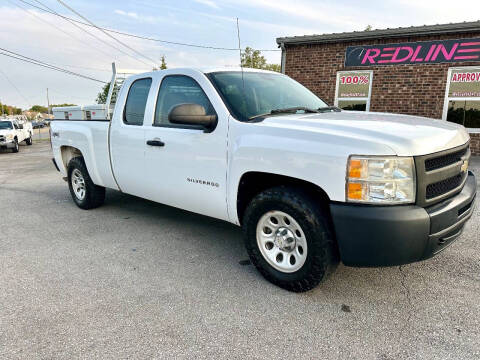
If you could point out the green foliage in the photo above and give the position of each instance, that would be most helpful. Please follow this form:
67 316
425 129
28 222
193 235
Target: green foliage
9 110
39 108
102 95
252 58
60 105
273 67
163 64
368 28
44 110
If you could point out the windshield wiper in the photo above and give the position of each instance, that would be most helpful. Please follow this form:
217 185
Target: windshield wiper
290 110
329 109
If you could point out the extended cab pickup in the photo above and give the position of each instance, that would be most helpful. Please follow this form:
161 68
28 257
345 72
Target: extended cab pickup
13 132
310 185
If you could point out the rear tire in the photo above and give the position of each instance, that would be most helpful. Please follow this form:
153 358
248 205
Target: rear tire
289 238
16 147
84 192
29 141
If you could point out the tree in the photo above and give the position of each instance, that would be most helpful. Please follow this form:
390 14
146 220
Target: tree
368 28
60 105
39 108
252 58
9 110
273 67
163 65
102 95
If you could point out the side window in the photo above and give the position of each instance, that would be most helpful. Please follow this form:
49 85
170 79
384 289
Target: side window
136 102
176 90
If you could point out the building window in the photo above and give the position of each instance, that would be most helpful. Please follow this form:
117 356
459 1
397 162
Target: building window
353 90
462 97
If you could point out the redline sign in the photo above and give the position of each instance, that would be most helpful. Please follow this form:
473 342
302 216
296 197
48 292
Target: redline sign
425 52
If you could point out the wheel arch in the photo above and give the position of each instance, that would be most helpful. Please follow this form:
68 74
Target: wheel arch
68 153
253 182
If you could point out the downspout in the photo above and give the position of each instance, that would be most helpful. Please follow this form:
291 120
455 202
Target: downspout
284 57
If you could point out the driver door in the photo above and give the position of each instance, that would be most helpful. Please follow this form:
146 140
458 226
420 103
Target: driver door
186 166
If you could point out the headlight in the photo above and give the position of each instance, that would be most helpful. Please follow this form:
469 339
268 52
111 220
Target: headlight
9 136
380 180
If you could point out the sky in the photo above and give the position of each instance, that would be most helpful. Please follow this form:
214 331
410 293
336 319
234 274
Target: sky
51 39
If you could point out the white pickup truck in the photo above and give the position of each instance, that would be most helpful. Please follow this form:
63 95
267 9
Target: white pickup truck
310 185
13 132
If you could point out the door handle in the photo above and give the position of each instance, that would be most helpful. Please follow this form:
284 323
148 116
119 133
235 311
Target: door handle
155 143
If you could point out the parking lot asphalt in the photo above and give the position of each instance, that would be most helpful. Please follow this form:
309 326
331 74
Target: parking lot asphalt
135 279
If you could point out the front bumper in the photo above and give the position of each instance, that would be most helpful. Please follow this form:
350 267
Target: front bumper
7 144
370 236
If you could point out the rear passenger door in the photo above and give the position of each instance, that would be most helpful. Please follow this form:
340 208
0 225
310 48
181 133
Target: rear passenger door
18 131
188 169
127 144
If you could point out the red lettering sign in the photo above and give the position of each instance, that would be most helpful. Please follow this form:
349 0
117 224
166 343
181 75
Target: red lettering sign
414 53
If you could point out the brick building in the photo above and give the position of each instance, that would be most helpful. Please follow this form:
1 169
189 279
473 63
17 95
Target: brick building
431 71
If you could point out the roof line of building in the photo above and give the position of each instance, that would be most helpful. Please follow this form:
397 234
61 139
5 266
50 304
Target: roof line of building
452 28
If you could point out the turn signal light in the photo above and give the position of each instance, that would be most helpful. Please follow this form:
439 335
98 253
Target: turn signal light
355 191
355 168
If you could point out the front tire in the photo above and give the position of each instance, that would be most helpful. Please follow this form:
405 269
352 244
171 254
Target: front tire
289 238
84 192
16 147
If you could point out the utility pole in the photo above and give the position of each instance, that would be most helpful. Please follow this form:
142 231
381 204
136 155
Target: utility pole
48 104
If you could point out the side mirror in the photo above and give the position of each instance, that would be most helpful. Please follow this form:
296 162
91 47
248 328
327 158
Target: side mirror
192 114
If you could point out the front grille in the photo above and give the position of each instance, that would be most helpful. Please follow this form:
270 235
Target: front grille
2 138
445 160
442 187
441 175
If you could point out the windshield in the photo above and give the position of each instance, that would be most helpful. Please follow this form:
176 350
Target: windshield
263 93
6 125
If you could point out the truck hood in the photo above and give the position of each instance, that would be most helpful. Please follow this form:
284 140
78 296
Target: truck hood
5 132
406 135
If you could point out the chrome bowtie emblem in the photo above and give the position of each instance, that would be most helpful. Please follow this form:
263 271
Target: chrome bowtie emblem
464 167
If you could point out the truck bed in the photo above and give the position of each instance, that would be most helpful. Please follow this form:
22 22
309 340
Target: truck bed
91 138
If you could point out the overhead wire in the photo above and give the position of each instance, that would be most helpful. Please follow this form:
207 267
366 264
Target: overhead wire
61 30
15 87
144 37
27 59
106 33
74 23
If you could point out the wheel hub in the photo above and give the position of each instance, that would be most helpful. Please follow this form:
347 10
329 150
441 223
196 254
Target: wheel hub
281 241
285 239
78 184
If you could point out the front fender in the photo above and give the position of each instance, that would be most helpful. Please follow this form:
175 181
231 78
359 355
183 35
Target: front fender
320 159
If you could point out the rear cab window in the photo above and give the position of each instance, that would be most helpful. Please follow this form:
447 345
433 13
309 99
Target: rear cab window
137 97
